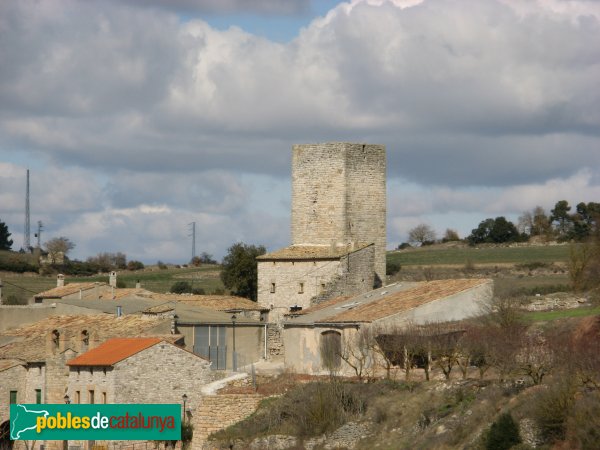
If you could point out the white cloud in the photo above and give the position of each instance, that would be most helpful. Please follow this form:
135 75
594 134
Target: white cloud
485 110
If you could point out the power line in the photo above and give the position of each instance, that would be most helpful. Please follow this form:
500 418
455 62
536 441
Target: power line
20 287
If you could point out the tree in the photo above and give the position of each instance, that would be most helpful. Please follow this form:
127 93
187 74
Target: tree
5 241
421 234
498 230
450 235
239 273
564 221
57 247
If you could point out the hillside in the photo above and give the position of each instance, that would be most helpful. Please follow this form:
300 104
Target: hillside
559 410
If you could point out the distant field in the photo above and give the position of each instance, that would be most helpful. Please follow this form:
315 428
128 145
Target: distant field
544 316
483 255
154 280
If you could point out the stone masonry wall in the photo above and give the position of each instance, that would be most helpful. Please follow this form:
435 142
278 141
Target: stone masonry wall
11 380
275 340
356 276
217 412
161 374
287 276
339 196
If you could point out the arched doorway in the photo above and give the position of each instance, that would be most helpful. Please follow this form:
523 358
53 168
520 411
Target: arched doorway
5 442
331 350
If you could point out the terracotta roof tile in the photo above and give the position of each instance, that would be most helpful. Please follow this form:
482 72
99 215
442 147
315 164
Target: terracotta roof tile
214 302
113 351
68 289
312 252
405 300
30 340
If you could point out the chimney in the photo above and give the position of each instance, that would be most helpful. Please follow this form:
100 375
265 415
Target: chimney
60 280
174 324
119 311
138 285
112 279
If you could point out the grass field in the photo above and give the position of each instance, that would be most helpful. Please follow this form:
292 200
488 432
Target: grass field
544 316
156 280
485 255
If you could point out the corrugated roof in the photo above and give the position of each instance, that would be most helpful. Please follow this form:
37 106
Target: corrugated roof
68 289
405 300
113 351
308 252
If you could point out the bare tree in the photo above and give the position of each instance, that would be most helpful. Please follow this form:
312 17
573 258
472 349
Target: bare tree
58 247
421 234
357 352
535 357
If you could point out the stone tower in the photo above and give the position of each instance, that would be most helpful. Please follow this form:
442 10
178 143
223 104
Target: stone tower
339 196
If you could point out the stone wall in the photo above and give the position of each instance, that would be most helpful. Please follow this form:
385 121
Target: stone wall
217 412
11 380
161 374
287 276
339 196
355 276
100 380
275 346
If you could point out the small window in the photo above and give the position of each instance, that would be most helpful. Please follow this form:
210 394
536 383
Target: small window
301 288
272 288
38 396
104 398
13 397
85 338
78 397
55 338
322 287
91 397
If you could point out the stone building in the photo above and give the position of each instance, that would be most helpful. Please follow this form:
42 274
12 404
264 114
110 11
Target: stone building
163 373
338 228
339 321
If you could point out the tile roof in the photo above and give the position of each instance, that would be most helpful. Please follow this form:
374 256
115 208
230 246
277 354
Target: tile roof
68 289
320 306
113 351
120 293
404 300
29 341
308 252
214 302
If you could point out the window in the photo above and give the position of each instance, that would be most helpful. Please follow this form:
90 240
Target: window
272 288
55 338
104 398
322 287
13 396
38 396
91 397
301 288
85 338
78 397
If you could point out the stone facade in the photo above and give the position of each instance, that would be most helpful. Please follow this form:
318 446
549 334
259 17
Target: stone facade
217 412
339 196
283 284
161 373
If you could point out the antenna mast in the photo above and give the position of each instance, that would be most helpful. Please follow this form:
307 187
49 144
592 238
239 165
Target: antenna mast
27 233
38 235
193 235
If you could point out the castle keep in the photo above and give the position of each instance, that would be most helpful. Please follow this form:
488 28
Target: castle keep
338 228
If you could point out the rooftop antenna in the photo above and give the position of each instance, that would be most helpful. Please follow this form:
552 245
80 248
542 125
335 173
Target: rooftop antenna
193 235
27 233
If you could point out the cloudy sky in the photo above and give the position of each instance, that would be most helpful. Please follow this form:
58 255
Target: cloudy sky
137 119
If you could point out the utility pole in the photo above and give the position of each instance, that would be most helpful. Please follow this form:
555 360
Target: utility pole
27 231
38 235
193 235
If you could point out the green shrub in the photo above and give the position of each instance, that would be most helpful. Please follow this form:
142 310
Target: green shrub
503 434
392 268
198 291
135 265
552 408
121 283
181 287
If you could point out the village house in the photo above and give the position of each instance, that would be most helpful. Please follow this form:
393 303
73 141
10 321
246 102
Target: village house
333 326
